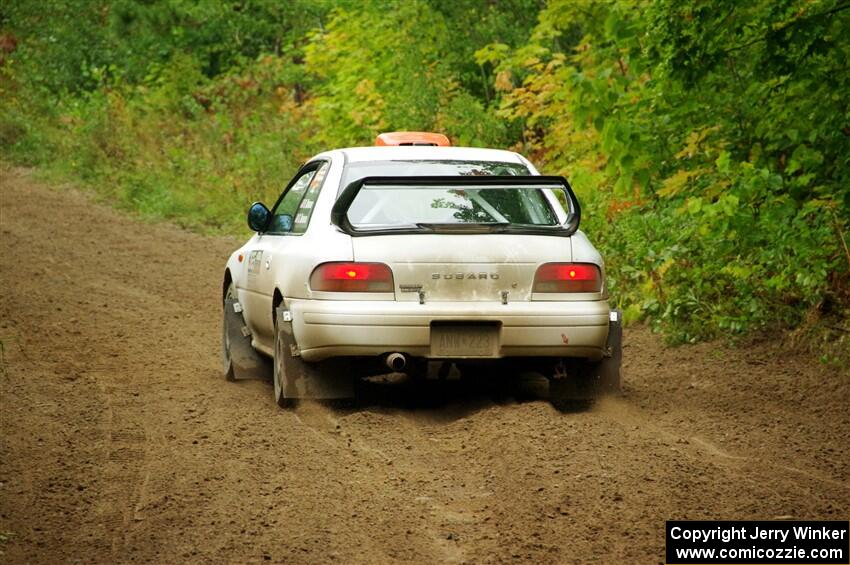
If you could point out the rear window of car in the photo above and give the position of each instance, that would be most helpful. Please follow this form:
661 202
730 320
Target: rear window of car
389 207
358 170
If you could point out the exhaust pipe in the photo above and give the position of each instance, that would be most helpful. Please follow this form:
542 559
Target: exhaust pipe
396 361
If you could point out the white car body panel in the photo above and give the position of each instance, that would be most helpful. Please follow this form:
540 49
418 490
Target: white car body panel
338 328
329 324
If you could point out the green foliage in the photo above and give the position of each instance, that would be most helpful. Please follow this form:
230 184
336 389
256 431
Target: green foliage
399 65
708 141
74 44
711 143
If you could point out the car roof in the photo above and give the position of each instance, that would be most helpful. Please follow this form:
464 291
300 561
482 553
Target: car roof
427 153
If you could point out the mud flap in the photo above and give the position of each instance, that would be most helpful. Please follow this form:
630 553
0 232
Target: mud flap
325 380
247 362
606 373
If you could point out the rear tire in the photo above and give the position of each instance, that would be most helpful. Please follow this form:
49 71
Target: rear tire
570 387
576 384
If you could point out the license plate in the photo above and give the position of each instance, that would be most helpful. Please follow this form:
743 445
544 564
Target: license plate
456 340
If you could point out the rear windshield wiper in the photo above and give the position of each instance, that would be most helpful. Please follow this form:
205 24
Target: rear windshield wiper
455 227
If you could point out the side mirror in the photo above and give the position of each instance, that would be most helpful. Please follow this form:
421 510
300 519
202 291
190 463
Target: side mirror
258 216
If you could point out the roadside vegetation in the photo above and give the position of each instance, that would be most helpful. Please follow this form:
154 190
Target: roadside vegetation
709 142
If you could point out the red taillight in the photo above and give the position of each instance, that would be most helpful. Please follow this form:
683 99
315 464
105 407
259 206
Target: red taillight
352 277
568 277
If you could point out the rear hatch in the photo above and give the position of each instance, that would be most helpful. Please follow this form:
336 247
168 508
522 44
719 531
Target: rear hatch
453 267
460 238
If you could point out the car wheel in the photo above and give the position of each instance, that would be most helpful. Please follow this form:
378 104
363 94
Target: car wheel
575 383
227 358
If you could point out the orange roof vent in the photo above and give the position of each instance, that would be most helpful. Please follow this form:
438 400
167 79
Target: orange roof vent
395 138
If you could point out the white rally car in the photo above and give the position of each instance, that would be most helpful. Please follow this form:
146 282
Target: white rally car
414 253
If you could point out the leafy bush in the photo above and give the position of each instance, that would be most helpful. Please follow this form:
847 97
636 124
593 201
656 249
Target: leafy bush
709 142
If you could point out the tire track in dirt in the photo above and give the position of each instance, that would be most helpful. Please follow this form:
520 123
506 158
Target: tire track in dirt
122 443
625 413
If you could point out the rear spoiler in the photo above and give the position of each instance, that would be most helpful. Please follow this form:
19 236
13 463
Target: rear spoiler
339 213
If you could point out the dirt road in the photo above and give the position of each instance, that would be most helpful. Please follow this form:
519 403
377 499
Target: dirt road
122 443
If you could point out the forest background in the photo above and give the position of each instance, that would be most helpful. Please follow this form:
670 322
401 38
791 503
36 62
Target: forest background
709 141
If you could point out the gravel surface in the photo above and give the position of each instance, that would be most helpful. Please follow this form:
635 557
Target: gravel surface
122 443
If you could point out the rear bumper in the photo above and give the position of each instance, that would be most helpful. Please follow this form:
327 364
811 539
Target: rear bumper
334 328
